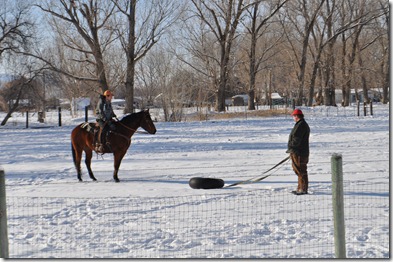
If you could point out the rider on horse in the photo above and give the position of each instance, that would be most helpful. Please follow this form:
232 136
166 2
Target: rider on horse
104 112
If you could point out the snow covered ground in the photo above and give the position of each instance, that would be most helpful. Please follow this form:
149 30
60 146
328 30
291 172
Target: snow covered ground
153 212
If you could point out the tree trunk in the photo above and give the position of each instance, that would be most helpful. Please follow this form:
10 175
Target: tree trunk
100 71
330 94
220 94
343 66
302 66
385 88
363 79
252 73
252 57
13 108
313 79
226 39
130 52
386 81
254 32
225 33
299 100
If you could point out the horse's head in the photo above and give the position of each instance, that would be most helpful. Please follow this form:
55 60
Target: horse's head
140 119
147 123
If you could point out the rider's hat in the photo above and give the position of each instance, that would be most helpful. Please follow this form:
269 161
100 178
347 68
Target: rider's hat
297 112
108 93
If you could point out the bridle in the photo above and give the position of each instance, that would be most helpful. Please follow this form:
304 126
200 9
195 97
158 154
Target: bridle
131 129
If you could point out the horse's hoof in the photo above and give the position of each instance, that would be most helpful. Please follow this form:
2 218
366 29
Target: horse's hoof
117 180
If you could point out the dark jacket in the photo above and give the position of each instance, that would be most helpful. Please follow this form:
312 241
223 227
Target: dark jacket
298 139
104 110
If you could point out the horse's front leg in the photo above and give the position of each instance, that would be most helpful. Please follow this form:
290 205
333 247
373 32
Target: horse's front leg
89 155
118 157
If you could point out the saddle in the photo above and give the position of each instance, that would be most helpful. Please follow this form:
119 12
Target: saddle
100 137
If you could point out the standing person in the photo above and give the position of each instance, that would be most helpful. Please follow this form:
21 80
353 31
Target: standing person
104 112
298 148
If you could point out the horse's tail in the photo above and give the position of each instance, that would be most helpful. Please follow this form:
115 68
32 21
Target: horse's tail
73 153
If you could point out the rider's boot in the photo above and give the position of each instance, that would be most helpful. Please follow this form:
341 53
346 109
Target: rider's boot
99 147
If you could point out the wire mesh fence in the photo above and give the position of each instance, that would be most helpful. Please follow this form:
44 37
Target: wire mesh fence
246 224
367 219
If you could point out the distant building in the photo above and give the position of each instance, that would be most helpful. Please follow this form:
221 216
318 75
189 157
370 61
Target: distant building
79 103
118 103
276 98
240 100
373 94
64 103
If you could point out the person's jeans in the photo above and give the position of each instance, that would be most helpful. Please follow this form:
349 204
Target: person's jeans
299 165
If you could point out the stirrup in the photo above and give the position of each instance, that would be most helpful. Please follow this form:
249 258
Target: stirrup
109 146
99 148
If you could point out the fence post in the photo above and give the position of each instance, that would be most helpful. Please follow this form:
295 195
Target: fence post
59 116
338 206
3 218
27 119
86 114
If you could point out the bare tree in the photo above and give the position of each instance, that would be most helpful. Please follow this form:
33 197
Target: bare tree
364 66
348 74
354 17
16 35
81 26
97 45
146 23
16 29
384 53
23 86
154 74
302 15
323 36
222 19
200 52
12 94
255 31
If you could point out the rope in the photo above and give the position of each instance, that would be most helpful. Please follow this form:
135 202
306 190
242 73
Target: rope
257 179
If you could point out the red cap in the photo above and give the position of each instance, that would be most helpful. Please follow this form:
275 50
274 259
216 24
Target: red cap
108 93
297 112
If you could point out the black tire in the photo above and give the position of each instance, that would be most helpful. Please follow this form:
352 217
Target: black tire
205 183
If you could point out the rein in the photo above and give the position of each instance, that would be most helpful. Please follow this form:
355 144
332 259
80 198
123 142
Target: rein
123 136
129 128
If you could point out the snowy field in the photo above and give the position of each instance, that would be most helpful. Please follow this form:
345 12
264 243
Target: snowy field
153 213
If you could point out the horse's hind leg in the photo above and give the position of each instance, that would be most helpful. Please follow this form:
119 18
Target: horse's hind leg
89 155
77 156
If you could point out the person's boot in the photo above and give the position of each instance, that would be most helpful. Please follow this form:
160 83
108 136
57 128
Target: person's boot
299 192
99 148
302 186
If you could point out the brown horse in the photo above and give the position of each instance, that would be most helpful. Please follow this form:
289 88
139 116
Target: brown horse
119 140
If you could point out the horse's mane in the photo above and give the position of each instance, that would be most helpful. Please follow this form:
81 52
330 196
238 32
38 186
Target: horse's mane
127 118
